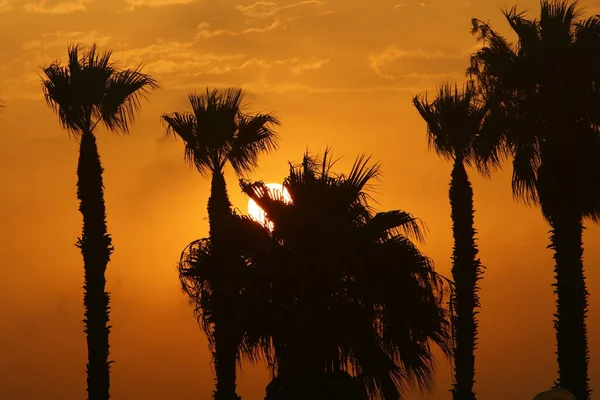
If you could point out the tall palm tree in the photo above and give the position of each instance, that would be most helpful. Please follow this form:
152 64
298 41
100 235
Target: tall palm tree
543 97
348 293
218 132
89 89
200 272
453 120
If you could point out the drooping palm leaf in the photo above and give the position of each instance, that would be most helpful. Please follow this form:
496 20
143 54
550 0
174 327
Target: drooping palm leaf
359 276
218 131
90 89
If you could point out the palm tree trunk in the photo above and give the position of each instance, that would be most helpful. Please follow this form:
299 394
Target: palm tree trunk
96 248
225 360
226 334
466 271
571 331
219 209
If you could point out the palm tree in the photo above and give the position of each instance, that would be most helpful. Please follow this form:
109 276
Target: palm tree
543 99
217 132
200 271
453 120
352 306
89 90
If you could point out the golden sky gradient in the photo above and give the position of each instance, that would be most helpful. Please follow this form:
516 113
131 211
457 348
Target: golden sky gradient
338 73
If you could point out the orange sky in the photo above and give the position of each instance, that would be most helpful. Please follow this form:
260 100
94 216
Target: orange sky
338 73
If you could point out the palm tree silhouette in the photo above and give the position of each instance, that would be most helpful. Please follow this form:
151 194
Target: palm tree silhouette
347 292
89 90
217 132
453 120
542 94
200 274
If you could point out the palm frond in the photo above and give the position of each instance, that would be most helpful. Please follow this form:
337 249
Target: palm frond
90 87
557 20
377 301
454 120
396 222
197 270
255 135
121 100
362 174
184 126
217 113
218 131
58 95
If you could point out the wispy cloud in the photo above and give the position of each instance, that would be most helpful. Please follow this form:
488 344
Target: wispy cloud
398 6
253 62
297 87
311 66
61 39
61 7
184 60
5 5
293 87
169 58
461 7
133 4
378 60
267 8
24 69
203 31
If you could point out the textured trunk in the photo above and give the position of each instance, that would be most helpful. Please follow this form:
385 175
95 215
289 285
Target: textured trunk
226 334
570 325
219 210
225 360
96 248
466 271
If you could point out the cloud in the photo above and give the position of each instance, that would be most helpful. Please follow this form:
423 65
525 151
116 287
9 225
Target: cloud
310 66
398 6
296 87
466 5
422 4
174 58
262 9
378 61
202 65
326 12
158 49
133 4
56 7
253 62
204 32
24 69
292 87
61 39
394 53
5 5
182 60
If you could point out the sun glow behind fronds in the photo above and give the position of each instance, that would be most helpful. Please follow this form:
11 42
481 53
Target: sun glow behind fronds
258 214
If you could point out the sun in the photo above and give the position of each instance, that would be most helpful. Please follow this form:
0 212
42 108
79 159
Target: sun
257 213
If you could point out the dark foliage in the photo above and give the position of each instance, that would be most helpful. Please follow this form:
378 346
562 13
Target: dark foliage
454 120
216 132
88 90
543 100
344 289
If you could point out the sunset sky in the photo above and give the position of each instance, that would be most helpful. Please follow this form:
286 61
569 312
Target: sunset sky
336 72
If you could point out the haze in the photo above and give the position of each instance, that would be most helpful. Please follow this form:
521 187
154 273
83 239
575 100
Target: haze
337 73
